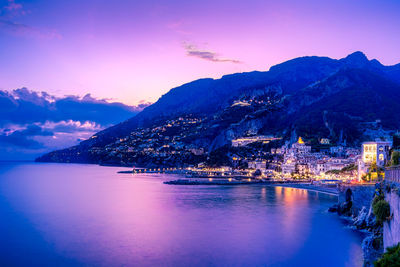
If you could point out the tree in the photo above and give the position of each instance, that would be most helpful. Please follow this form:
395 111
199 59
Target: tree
381 210
375 172
395 158
373 167
366 177
391 258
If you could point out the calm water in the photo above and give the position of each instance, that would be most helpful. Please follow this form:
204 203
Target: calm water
60 214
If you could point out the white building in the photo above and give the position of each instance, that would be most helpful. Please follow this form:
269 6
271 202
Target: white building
257 165
324 141
300 147
302 168
289 167
321 167
373 152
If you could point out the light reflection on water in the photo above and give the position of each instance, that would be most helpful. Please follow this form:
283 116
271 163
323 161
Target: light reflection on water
90 215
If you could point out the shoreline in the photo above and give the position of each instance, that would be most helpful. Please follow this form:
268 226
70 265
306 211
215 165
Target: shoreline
314 188
301 185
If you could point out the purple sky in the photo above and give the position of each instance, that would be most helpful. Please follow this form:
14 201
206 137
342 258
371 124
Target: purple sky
132 51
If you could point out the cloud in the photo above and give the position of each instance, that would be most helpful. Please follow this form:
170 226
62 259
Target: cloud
71 126
192 50
22 30
23 138
50 135
12 6
23 106
12 9
33 130
37 122
10 12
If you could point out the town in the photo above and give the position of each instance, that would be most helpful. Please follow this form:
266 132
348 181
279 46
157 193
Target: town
168 148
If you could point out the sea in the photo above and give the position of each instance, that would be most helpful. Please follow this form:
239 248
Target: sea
88 215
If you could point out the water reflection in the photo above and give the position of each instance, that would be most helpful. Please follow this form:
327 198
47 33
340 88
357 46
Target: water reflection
90 215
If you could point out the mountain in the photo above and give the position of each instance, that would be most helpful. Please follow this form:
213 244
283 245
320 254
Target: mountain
314 96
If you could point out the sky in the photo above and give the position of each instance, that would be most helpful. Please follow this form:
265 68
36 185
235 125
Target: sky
107 60
33 123
135 51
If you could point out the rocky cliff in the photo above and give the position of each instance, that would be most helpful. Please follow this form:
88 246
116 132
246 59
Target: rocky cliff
391 228
355 202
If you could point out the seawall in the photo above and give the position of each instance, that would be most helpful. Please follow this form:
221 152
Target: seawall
360 196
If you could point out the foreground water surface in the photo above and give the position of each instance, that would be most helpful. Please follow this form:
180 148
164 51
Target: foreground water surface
68 214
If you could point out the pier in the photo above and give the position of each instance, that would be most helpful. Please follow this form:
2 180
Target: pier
156 170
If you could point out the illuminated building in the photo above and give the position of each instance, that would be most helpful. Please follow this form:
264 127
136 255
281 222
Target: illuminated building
300 147
324 141
373 152
289 165
257 165
244 141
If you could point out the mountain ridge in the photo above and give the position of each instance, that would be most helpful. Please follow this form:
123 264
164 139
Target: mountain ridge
296 86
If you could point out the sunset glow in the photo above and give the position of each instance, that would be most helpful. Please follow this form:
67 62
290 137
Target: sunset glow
134 51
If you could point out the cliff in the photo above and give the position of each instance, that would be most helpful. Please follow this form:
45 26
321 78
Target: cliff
391 228
355 202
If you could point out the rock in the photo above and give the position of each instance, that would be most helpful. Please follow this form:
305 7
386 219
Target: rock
371 220
345 208
361 220
372 247
334 208
365 219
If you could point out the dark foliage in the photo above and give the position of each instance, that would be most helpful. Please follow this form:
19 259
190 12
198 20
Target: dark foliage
391 258
381 210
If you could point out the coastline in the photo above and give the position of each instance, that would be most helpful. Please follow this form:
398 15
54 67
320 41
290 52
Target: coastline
305 186
309 187
296 185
